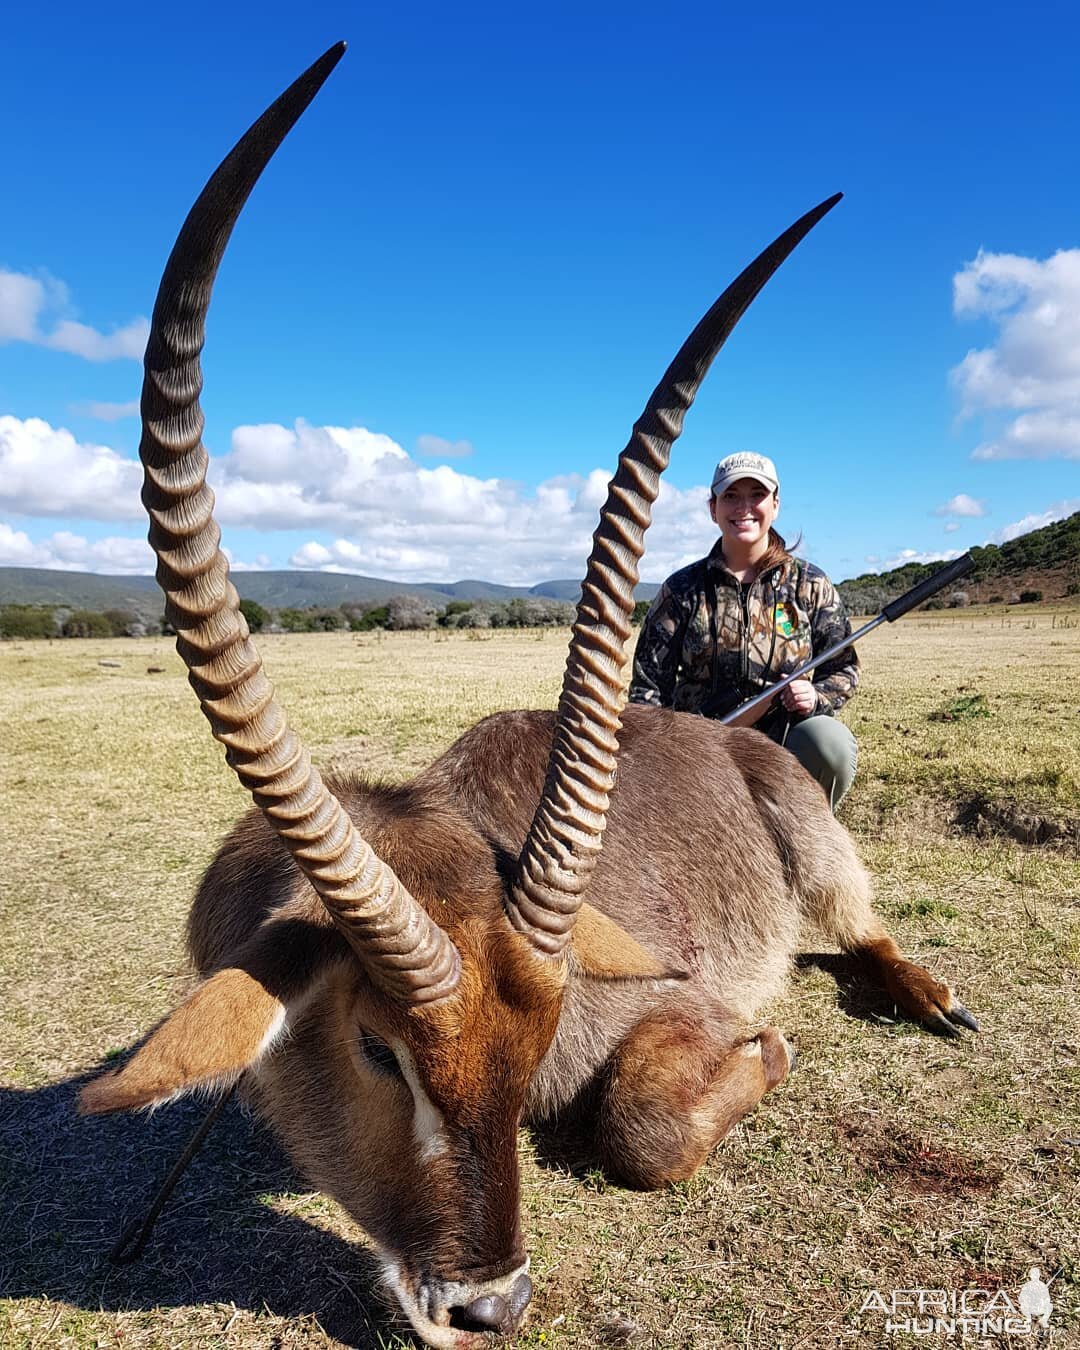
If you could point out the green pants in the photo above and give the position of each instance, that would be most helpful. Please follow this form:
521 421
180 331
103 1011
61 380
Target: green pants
827 751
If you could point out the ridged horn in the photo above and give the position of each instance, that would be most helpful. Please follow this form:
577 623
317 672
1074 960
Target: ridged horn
566 834
403 950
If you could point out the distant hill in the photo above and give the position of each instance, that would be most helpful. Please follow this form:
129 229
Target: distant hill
273 590
1045 560
79 590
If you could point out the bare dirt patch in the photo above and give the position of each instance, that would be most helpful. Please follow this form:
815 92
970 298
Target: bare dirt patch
984 818
922 1165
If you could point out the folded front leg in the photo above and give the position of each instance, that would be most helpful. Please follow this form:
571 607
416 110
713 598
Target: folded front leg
676 1086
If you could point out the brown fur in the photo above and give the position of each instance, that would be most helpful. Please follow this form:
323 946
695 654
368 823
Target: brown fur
719 849
677 1085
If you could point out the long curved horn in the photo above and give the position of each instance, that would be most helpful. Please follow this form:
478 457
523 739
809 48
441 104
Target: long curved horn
404 951
565 837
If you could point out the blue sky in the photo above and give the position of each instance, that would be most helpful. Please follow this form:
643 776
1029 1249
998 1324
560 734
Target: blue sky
458 281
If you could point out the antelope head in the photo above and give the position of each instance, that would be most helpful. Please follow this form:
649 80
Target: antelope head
396 996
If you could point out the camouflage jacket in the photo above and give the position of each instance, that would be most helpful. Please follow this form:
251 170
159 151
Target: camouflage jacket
709 642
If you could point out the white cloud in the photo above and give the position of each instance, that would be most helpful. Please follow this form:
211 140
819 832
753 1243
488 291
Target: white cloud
951 526
69 552
434 447
107 412
1040 435
1033 367
260 563
17 549
32 309
961 505
127 343
20 300
1035 521
313 555
389 515
45 471
912 555
364 504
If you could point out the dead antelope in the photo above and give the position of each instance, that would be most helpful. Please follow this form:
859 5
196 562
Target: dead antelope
404 974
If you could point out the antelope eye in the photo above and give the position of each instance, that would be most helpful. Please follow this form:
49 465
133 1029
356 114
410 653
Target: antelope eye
378 1055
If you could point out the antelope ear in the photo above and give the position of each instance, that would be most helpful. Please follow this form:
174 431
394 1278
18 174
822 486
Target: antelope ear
224 1027
606 951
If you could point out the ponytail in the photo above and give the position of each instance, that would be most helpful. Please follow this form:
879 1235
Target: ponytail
777 552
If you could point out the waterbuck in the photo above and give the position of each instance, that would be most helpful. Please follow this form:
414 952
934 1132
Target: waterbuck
404 974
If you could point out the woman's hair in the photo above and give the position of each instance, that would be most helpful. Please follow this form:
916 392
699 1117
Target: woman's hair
777 552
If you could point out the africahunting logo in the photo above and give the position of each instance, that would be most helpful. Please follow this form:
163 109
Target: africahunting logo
964 1312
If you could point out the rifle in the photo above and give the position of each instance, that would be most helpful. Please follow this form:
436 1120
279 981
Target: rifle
894 610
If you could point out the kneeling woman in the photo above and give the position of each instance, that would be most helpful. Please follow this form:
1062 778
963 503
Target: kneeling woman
723 628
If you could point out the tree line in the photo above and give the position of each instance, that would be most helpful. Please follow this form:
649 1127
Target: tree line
401 612
58 621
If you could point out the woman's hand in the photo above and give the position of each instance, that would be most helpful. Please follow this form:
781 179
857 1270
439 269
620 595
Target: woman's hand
800 697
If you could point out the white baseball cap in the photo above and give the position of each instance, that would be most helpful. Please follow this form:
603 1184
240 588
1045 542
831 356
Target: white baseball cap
745 464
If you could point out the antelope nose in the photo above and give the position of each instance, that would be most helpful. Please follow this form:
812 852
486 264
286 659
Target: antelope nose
490 1312
494 1312
519 1297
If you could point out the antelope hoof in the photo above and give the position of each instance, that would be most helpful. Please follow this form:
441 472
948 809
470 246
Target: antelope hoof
927 1000
944 1021
777 1055
958 1013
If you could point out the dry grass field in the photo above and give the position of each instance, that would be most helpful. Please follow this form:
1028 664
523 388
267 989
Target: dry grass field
890 1159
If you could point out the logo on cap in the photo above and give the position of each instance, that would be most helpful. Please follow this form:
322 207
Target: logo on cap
745 464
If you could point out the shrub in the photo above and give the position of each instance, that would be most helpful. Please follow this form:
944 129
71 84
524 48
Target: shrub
26 621
121 622
87 623
959 600
257 617
294 620
1030 597
532 612
453 615
996 600
640 610
410 611
378 616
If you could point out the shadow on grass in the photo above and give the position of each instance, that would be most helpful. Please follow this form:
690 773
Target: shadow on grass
858 995
568 1144
70 1184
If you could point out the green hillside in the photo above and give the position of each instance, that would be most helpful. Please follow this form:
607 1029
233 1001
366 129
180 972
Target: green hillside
274 590
79 590
1045 560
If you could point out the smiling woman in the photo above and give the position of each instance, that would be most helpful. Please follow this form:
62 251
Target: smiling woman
722 629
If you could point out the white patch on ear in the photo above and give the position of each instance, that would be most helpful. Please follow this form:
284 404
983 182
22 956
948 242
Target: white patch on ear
273 1031
428 1123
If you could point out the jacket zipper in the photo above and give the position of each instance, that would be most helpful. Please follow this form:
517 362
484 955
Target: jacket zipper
744 597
